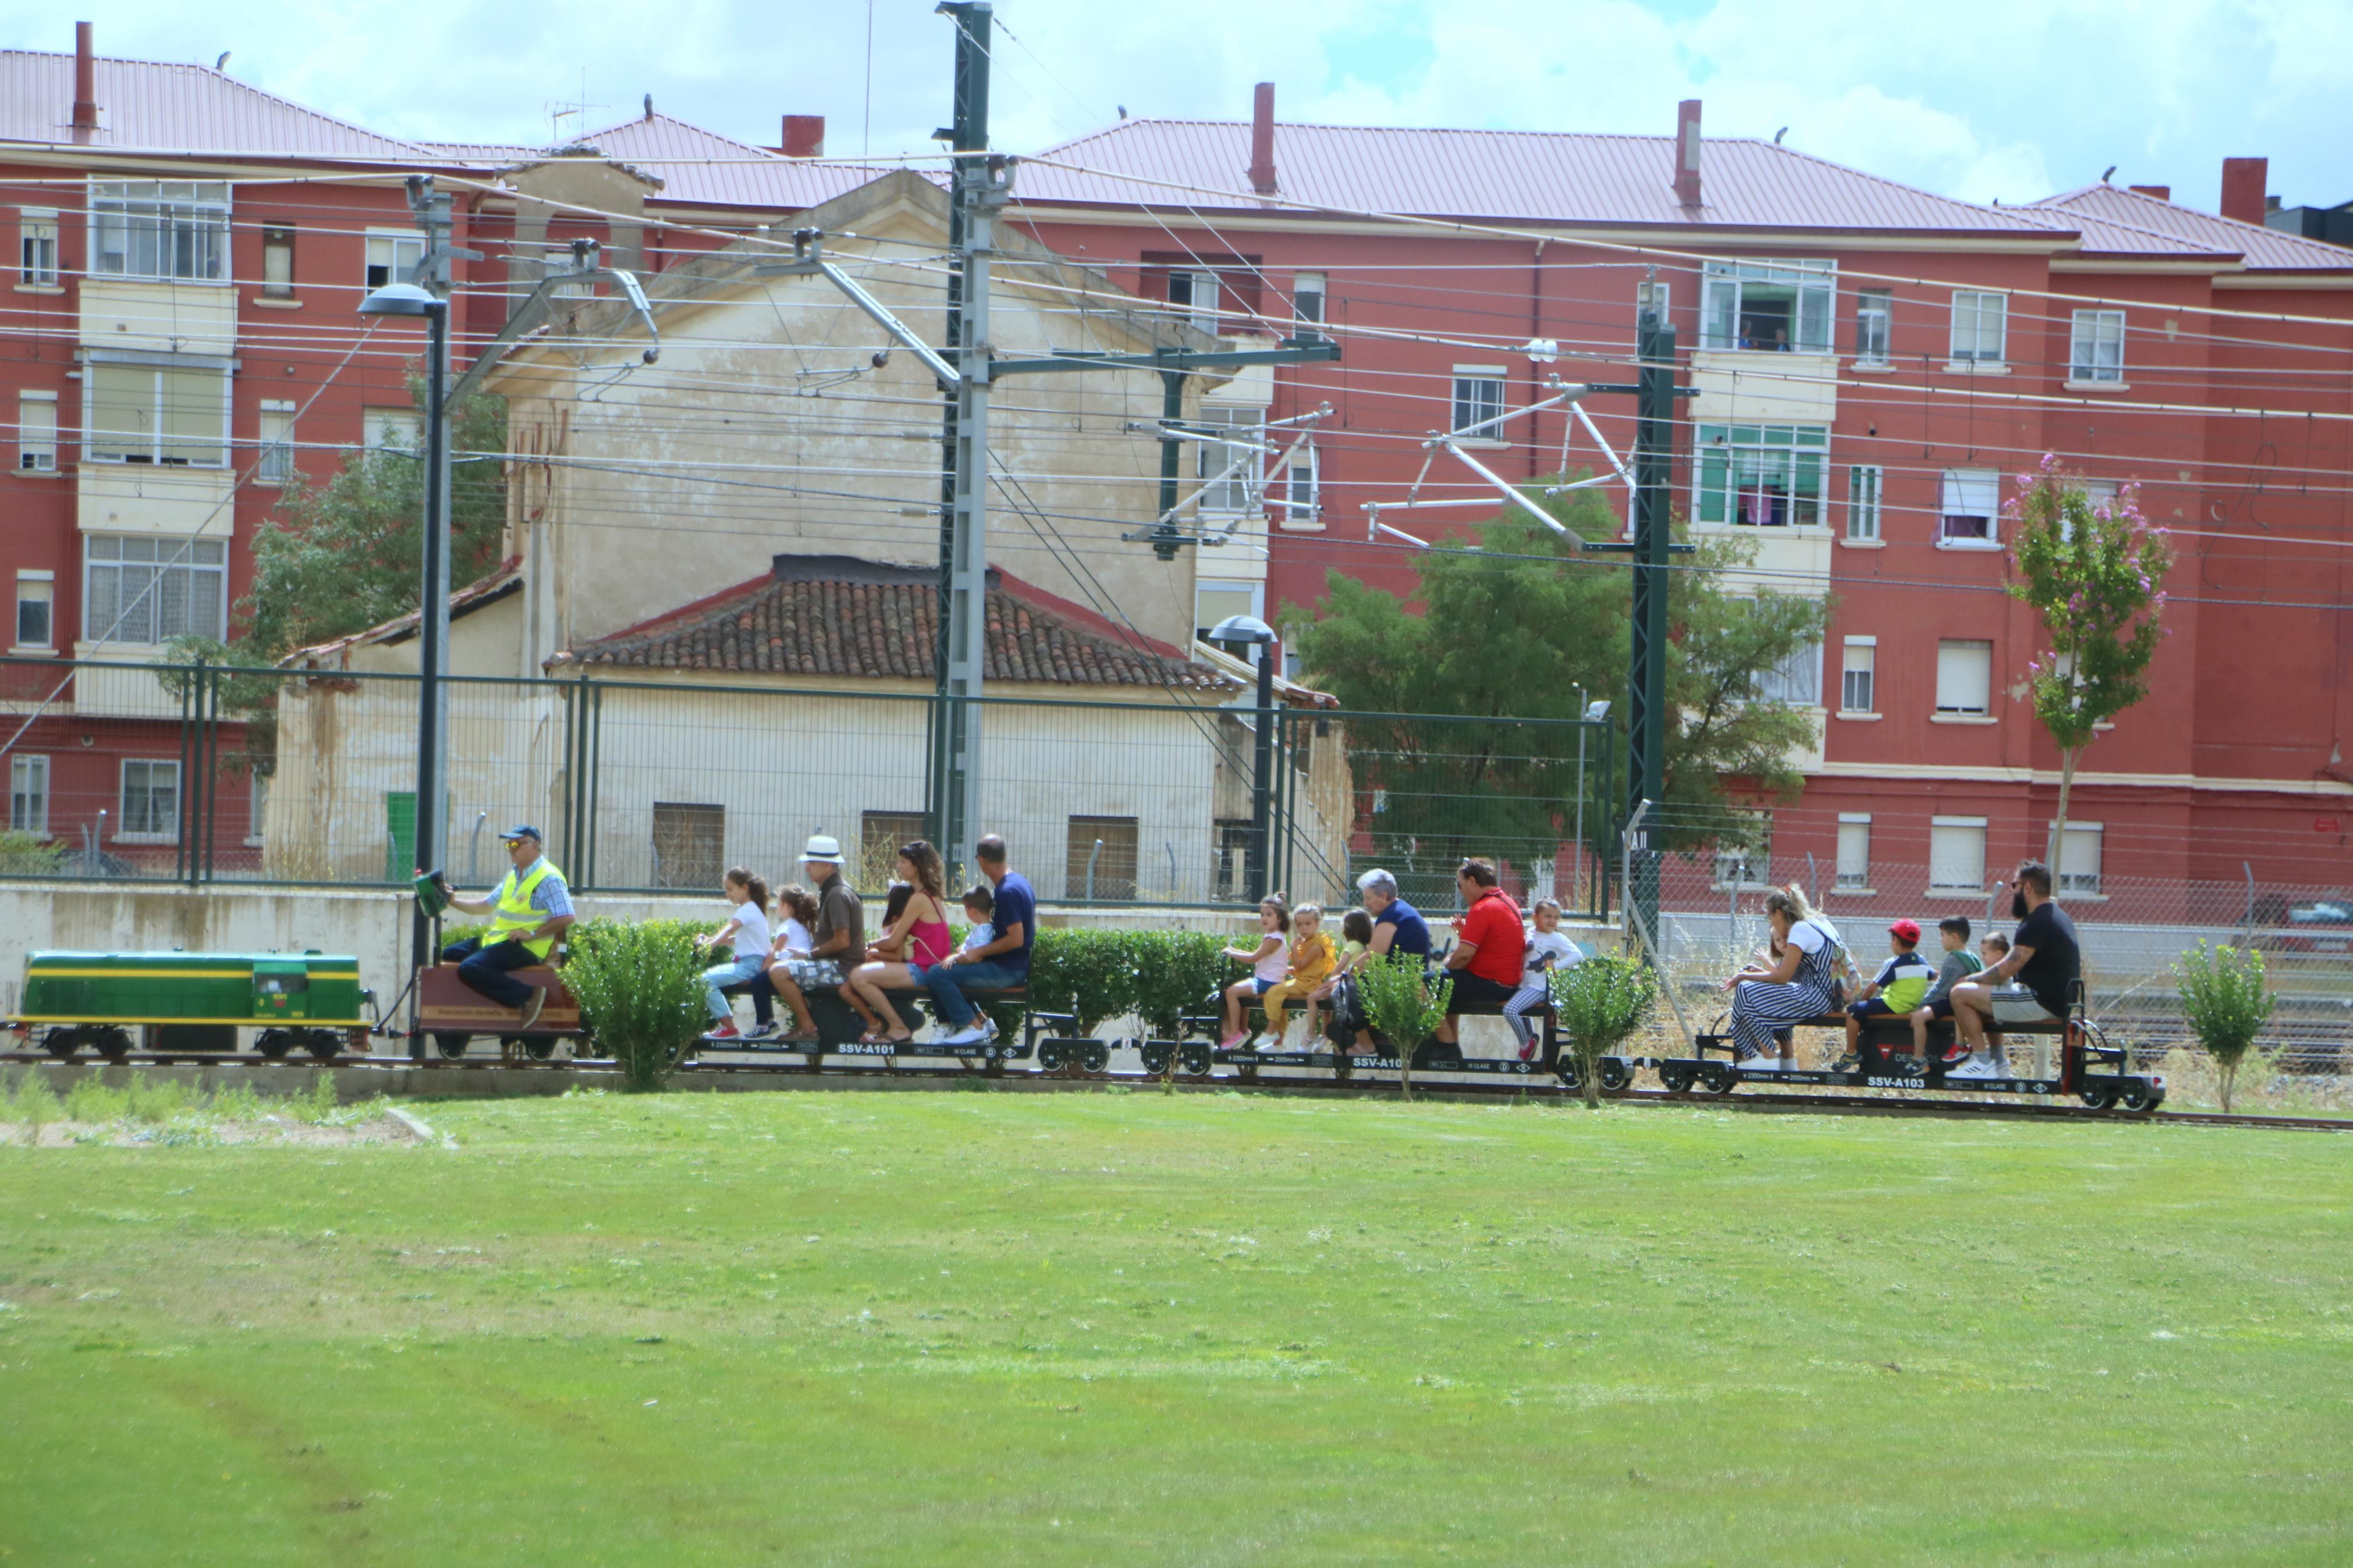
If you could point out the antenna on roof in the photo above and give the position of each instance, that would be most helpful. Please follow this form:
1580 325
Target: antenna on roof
649 106
1122 112
1778 135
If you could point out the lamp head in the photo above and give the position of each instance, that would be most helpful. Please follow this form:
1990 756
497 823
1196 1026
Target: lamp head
1597 711
400 299
1243 630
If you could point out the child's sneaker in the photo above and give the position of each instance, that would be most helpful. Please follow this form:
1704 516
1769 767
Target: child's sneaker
724 1032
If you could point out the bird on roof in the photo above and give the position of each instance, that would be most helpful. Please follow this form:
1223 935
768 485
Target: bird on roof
2111 170
649 106
222 63
1778 135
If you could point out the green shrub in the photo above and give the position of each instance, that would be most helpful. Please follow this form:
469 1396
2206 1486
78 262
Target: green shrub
158 1101
317 1105
36 1104
640 987
29 854
90 1101
1176 972
1091 973
1602 1001
2227 1001
1404 1006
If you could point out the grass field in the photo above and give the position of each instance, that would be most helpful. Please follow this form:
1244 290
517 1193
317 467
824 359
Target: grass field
849 1328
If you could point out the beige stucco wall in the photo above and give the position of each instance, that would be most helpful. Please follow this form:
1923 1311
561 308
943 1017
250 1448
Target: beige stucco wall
765 427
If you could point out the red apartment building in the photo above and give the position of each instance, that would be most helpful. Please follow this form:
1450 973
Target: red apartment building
1876 367
182 337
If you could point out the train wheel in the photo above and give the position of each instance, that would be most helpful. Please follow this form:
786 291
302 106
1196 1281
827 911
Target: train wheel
2097 1099
274 1043
1195 1061
1615 1076
324 1044
1716 1077
1098 1056
1675 1080
114 1044
1050 1056
539 1048
1572 1078
2141 1102
62 1043
1155 1057
451 1046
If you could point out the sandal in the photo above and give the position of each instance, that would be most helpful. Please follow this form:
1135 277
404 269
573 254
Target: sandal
872 1037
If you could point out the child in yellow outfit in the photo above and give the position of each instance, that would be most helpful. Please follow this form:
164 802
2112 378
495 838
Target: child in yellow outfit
1311 962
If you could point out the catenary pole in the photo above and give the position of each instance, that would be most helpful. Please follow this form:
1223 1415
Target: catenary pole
432 211
1646 684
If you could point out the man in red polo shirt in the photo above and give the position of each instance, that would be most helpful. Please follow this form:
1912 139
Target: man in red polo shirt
1490 945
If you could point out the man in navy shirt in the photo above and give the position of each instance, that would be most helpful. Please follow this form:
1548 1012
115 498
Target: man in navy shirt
1000 965
1398 926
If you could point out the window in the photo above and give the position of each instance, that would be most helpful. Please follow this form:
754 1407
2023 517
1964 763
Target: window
1956 854
1760 476
144 413
1214 601
2101 493
1796 682
1478 399
277 261
257 806
2079 858
1859 676
2096 348
881 835
1231 856
392 430
1757 305
37 247
1244 470
1307 306
1854 850
1980 321
1744 868
140 588
29 795
162 229
34 595
1195 295
1650 295
36 432
1100 862
1875 325
276 464
151 801
1964 677
392 258
1972 502
1304 505
690 845
1862 491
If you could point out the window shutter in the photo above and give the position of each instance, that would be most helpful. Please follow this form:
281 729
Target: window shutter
1964 677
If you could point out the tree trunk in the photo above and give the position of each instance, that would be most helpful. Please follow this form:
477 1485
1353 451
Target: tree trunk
2056 848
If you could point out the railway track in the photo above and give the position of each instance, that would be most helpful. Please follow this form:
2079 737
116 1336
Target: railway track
1425 1086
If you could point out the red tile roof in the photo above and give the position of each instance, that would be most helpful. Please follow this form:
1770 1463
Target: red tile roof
697 168
153 105
1524 176
838 615
2114 219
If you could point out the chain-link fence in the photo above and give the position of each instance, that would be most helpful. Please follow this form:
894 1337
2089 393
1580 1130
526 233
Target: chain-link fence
203 775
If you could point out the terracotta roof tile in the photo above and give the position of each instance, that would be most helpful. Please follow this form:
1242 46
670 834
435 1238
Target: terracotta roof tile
830 617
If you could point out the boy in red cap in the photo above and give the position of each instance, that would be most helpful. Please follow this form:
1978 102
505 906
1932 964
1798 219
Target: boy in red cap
1898 987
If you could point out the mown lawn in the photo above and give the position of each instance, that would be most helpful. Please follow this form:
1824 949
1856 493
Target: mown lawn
1121 1329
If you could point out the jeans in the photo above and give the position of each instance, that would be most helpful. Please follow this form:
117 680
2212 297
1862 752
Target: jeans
733 972
950 986
484 969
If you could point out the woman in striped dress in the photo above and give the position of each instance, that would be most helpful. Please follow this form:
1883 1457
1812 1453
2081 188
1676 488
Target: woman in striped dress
1768 998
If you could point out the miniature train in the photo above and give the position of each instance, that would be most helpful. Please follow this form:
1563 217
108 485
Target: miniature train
203 1003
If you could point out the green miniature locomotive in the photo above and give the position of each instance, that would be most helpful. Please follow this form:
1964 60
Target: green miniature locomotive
194 1002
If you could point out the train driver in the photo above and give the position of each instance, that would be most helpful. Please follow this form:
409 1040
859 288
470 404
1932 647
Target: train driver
528 911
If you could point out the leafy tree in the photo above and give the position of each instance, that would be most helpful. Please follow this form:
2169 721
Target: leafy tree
1511 629
1602 1001
2093 574
346 552
2227 1001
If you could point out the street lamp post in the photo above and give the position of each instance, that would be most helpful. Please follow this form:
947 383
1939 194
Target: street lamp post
1233 633
1594 713
433 607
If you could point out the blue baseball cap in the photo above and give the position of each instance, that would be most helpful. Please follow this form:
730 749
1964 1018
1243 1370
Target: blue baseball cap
524 831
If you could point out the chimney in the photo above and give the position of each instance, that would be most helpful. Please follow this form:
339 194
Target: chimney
1262 169
1687 153
2162 193
85 106
2244 179
804 136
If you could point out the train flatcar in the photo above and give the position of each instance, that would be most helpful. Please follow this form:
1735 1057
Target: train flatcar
194 1002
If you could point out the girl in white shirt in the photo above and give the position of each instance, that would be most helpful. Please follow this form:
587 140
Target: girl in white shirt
747 937
1548 951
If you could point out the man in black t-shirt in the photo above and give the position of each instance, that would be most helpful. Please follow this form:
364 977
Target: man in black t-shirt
2035 982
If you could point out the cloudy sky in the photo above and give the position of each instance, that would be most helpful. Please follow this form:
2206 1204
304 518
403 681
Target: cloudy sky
1995 99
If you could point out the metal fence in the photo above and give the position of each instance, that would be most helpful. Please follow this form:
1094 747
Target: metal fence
202 775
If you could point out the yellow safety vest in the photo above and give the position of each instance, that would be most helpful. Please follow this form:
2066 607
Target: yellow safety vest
514 911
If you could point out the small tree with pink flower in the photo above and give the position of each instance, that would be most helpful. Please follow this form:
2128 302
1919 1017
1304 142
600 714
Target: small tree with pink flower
2095 574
